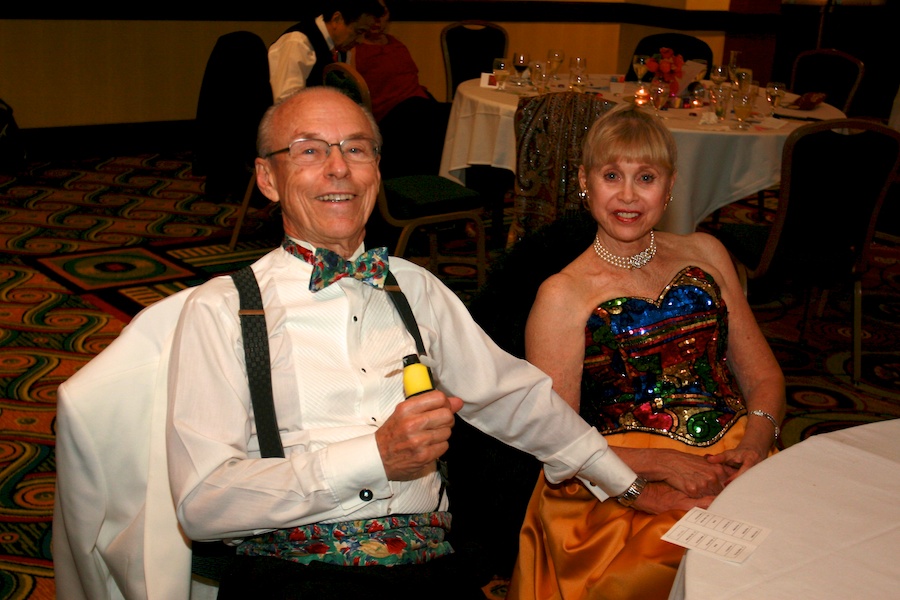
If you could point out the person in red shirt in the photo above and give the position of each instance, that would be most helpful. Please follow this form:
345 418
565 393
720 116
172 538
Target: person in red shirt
406 112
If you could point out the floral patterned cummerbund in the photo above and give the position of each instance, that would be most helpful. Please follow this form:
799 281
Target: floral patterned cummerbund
394 540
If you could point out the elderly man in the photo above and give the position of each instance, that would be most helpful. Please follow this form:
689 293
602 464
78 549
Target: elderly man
297 58
357 500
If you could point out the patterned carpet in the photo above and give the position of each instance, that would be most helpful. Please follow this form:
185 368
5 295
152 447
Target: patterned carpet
87 243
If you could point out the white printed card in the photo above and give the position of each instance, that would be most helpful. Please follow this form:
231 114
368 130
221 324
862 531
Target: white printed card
717 536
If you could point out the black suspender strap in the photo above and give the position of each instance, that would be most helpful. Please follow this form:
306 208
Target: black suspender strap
402 304
256 353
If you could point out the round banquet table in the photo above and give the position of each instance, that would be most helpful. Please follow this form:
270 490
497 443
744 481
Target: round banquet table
717 165
831 503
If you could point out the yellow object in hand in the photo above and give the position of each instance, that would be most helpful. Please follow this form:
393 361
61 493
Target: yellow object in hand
416 377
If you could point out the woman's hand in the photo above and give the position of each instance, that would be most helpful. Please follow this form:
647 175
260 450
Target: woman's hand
736 461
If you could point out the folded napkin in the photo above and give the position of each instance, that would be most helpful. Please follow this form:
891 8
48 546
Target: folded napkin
771 123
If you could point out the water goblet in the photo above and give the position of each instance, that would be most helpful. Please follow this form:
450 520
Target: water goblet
719 74
578 64
774 94
639 64
520 64
540 76
719 95
659 95
577 73
501 72
555 57
742 103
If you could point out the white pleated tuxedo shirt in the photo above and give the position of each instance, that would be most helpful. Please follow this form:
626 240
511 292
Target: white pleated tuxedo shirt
337 375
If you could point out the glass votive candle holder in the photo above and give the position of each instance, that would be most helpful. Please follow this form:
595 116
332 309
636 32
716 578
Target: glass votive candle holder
642 94
698 97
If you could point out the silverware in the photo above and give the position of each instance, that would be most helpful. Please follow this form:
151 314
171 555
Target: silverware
777 116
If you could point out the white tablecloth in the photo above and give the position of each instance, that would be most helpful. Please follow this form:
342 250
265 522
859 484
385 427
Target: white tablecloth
833 505
716 164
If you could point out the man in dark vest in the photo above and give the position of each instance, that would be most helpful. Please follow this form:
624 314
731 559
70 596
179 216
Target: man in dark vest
297 58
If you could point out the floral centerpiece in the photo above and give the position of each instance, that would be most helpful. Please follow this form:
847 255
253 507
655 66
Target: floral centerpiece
667 66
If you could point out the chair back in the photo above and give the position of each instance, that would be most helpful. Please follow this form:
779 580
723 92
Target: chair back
835 176
347 79
688 46
550 130
469 49
832 72
234 94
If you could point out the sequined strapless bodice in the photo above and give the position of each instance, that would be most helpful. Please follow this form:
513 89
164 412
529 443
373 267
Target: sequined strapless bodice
658 366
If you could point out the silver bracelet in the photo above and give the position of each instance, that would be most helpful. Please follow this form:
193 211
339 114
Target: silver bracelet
628 497
762 413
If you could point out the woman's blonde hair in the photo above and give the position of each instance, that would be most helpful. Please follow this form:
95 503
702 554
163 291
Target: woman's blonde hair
627 132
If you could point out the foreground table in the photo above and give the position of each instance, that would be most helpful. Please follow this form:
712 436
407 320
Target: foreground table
831 502
717 165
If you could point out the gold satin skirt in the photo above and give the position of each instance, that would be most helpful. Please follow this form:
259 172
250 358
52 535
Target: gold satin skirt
573 547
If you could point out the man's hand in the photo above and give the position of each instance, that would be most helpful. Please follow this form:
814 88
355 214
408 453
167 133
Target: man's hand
416 435
659 497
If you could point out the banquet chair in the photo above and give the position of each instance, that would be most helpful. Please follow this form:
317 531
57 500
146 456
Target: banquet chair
501 308
346 78
234 94
832 72
835 176
549 131
469 49
416 202
688 46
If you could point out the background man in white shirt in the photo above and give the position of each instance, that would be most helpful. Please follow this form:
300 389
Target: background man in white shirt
297 58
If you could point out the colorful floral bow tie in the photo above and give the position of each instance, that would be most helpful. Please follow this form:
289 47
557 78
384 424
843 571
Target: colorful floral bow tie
369 267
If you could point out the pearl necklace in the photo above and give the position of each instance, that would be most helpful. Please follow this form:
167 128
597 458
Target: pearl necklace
626 262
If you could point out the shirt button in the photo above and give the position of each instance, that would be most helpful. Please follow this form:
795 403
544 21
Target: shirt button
366 495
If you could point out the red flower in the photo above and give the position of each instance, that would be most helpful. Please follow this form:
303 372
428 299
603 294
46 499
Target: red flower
374 526
317 548
395 545
667 66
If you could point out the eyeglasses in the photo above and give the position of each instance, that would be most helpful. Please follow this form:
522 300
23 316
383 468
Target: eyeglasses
312 151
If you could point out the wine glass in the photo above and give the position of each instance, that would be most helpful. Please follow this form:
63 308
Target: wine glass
501 72
719 74
577 65
577 73
639 64
733 64
774 94
742 104
743 79
659 95
520 64
555 57
540 75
